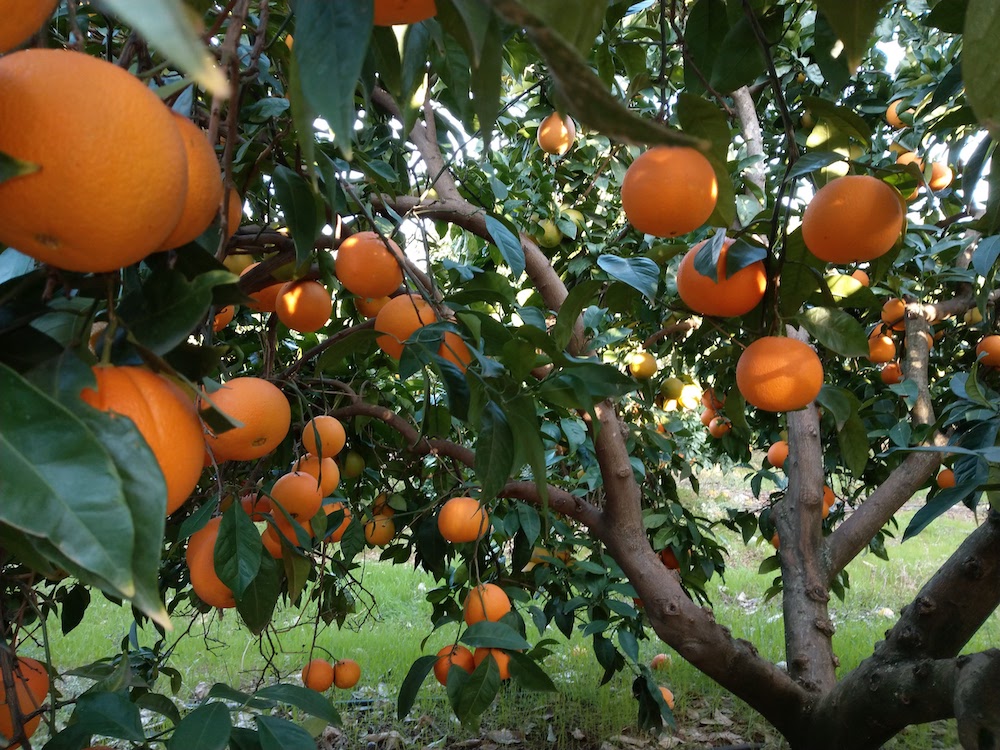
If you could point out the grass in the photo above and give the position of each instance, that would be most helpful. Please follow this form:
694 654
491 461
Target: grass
219 650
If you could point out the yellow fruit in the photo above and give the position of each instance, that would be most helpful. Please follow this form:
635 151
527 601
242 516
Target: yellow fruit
642 365
556 134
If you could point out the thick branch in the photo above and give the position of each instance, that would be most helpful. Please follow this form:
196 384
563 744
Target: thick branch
746 114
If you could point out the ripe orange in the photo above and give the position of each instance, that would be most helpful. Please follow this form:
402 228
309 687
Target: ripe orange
346 673
255 506
941 176
303 306
556 134
370 306
381 506
862 277
711 401
501 657
775 541
379 531
164 416
20 21
325 471
399 320
668 697
280 529
463 519
366 267
338 533
779 374
264 300
852 218
727 297
708 415
204 186
893 314
264 413
668 558
200 557
892 115
112 179
719 427
392 12
777 454
454 349
318 675
669 191
485 602
460 656
946 478
891 373
881 349
223 318
31 686
298 493
324 436
988 350
234 211
828 498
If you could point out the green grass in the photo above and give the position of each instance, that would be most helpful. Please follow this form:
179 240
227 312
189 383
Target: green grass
385 640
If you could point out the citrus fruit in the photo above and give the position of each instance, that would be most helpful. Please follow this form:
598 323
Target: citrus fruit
708 415
671 388
379 531
223 318
346 673
460 656
988 350
669 191
852 218
200 557
255 506
324 436
556 134
668 697
454 349
690 396
20 21
263 412
892 115
660 661
861 276
303 306
881 349
775 541
264 299
237 263
502 658
779 374
234 211
891 373
164 416
318 675
31 686
354 465
669 559
392 12
298 493
893 314
719 427
111 180
381 506
829 498
204 186
711 401
337 534
324 471
463 519
282 528
369 306
941 176
642 365
777 454
399 320
727 297
945 478
485 602
366 267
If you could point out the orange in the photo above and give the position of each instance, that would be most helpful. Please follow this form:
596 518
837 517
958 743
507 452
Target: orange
556 134
463 519
379 531
31 686
234 211
325 471
852 218
669 191
485 602
946 478
460 656
112 179
20 21
282 528
881 349
775 541
324 436
719 427
454 349
779 374
366 267
893 314
338 533
370 306
237 262
727 297
668 558
298 493
303 306
200 557
354 465
204 186
708 415
263 411
318 675
828 498
265 299
668 697
711 401
777 454
862 277
381 506
392 12
164 416
642 365
399 320
346 673
223 318
892 115
255 506
941 176
501 657
891 373
989 350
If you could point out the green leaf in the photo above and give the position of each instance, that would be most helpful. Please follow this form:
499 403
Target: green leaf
853 441
580 296
109 714
304 699
697 115
529 675
477 692
207 728
161 704
494 635
854 21
237 550
809 163
76 496
298 203
331 43
257 604
842 119
840 402
641 274
580 27
801 274
531 523
416 40
508 243
986 254
836 330
281 734
11 168
166 25
475 19
707 24
739 59
948 15
486 82
529 448
494 451
411 684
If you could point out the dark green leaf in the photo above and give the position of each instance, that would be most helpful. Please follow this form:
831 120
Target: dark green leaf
580 27
477 692
986 255
304 699
494 635
109 714
853 441
475 18
531 524
845 121
529 675
854 21
298 204
11 168
257 604
281 734
508 243
641 274
486 80
839 401
207 728
411 684
494 451
697 115
707 26
835 330
800 274
160 704
948 15
237 550
739 59
580 296
809 163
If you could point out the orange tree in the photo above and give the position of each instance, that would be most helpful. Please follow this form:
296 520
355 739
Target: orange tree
147 429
